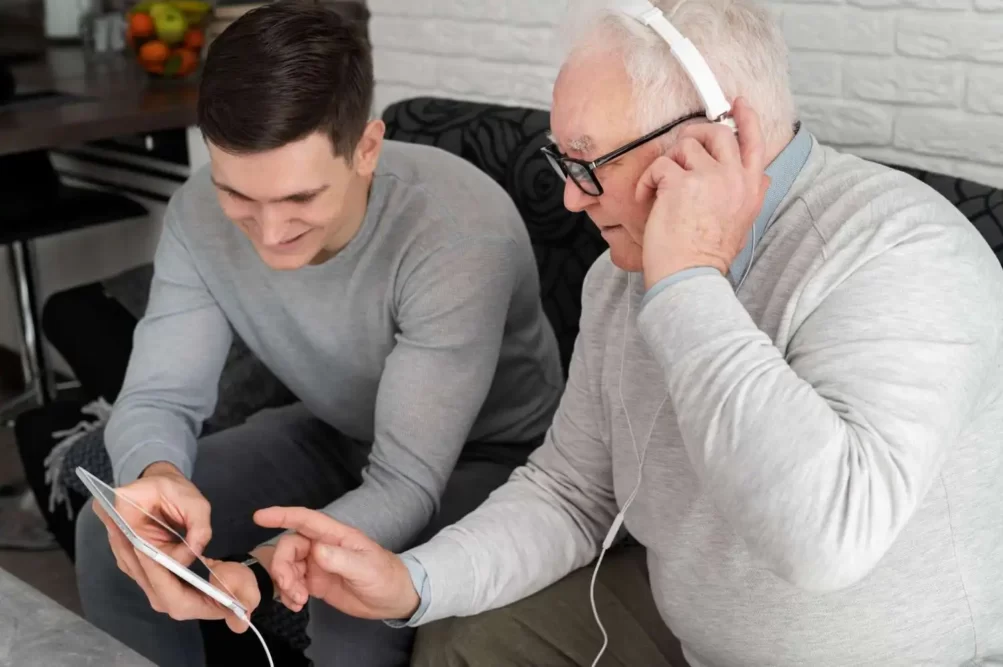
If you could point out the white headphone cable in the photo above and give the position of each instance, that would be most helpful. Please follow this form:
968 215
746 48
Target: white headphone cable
752 256
639 457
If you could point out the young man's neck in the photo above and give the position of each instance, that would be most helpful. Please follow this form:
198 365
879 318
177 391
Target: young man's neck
346 228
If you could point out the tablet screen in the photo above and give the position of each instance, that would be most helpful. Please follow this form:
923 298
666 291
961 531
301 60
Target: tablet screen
105 495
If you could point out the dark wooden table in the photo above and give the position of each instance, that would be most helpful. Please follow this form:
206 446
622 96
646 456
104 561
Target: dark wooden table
118 99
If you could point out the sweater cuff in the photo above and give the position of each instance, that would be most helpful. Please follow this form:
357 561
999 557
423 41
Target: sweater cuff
450 579
140 457
677 277
419 579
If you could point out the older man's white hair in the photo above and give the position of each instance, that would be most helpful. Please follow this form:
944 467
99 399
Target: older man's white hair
739 40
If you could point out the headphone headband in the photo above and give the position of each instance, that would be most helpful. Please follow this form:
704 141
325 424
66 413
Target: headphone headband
715 105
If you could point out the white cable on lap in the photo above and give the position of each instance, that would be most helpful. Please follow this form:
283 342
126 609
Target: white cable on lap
639 456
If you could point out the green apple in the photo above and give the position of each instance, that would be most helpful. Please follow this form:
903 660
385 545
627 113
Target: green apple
155 9
169 22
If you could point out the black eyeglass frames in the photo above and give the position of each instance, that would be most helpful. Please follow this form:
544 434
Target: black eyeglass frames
583 173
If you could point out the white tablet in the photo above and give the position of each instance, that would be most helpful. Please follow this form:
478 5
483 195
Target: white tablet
106 496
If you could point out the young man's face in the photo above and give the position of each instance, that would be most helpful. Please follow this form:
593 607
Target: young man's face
298 204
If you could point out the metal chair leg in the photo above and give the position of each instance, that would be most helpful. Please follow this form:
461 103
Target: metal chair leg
37 371
40 383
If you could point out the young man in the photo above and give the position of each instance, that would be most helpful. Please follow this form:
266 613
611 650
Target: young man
391 287
801 350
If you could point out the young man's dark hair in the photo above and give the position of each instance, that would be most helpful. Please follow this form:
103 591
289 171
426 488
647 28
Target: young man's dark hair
284 71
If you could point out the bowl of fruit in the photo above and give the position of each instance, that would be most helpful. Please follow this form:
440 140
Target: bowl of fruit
168 36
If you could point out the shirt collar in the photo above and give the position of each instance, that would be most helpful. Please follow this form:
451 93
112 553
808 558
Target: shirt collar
782 172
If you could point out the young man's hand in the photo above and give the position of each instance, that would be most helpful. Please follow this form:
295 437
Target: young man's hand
165 493
236 580
336 563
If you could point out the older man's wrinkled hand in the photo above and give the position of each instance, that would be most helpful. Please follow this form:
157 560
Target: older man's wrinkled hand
708 188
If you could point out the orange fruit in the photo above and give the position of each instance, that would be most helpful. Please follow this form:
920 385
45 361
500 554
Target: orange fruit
194 39
141 25
153 53
181 63
188 61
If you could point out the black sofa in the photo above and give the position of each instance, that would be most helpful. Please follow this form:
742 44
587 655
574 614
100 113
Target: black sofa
92 325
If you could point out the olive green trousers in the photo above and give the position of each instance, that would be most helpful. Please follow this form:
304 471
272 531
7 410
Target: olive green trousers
556 628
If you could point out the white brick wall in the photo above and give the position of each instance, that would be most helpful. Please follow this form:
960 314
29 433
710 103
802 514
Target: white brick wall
915 82
492 50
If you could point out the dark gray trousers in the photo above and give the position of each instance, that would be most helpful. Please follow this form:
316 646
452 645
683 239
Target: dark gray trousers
287 457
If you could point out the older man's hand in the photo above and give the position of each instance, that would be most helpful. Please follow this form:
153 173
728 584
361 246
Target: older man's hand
337 563
708 188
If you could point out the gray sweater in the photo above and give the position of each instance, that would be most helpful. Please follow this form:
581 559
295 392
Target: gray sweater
425 332
823 485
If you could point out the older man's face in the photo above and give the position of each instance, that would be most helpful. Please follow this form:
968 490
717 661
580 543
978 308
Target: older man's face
591 116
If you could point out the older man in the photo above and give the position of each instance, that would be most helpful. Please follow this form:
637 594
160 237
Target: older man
801 352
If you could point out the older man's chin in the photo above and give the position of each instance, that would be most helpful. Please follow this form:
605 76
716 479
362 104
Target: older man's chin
624 253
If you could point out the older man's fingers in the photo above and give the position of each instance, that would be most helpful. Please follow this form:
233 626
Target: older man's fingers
288 566
751 141
309 523
717 140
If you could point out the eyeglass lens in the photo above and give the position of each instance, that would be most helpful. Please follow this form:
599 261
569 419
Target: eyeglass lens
577 172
